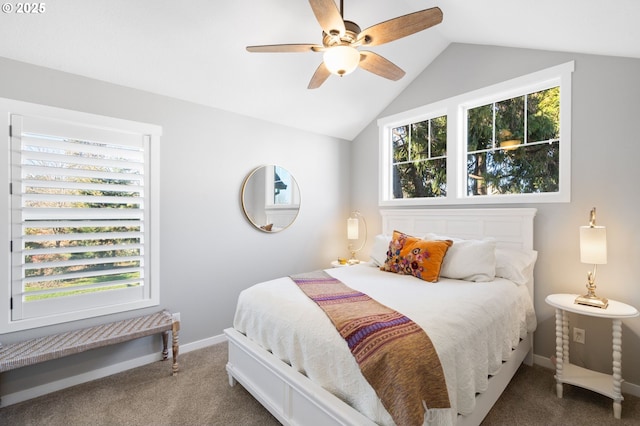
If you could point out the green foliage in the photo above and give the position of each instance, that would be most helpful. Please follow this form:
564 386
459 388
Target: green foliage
419 159
513 147
532 166
66 286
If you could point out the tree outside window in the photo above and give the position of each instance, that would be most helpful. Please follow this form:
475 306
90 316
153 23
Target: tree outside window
505 143
513 145
420 159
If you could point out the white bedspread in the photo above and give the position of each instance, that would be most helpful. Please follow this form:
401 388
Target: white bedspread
473 327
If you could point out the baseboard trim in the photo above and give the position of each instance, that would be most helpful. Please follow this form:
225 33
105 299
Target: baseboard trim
34 392
628 388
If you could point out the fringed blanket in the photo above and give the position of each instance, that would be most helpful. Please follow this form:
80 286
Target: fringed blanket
394 354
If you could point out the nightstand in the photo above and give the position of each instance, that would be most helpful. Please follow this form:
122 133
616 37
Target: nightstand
605 384
336 264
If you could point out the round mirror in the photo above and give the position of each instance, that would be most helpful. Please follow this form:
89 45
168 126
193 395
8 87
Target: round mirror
270 198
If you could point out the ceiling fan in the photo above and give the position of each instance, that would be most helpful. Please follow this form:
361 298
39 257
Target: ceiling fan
340 40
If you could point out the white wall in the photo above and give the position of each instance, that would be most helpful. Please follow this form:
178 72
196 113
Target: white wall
606 107
209 252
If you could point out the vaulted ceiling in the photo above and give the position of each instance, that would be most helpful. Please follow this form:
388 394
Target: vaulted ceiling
195 49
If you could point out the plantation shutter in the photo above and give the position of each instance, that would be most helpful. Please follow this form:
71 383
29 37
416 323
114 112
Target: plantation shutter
79 216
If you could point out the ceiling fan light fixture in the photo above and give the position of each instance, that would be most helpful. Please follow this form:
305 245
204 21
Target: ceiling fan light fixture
341 38
341 60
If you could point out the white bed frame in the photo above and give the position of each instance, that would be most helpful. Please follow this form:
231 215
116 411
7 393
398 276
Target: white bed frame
295 400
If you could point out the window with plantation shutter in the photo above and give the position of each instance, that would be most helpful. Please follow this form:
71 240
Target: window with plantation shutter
83 223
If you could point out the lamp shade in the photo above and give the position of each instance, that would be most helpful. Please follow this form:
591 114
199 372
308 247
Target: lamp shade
341 60
352 228
593 245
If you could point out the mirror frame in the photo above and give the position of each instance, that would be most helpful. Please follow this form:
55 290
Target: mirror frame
275 210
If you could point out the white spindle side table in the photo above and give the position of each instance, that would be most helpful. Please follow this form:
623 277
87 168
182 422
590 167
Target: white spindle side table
605 384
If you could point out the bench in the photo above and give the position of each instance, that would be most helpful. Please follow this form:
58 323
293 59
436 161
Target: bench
33 351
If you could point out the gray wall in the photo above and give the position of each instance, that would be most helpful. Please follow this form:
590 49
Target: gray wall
209 252
605 145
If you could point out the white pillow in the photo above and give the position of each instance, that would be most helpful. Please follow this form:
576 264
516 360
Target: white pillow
379 250
469 260
515 265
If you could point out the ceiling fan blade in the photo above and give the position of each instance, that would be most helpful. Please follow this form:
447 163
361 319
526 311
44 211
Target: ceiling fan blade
328 16
284 48
376 64
319 77
399 27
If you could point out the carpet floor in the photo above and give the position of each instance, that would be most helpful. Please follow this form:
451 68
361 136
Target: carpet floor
200 395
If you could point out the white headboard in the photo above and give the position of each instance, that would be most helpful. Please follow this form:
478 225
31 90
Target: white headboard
511 227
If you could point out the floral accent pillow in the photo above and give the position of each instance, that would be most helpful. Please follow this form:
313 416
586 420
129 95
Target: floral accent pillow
409 255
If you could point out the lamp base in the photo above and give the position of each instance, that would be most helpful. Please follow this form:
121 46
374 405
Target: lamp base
352 260
592 300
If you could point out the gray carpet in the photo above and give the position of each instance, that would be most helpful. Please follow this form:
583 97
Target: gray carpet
201 395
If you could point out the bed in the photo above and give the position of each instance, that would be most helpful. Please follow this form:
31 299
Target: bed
304 375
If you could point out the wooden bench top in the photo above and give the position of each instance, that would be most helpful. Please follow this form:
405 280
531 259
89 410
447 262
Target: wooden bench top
46 348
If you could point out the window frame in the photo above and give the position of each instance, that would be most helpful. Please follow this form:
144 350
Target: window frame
391 149
455 109
151 134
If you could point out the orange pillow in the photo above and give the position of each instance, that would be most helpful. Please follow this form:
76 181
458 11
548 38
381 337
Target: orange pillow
409 255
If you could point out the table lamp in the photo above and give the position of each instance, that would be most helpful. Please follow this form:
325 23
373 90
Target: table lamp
593 250
353 234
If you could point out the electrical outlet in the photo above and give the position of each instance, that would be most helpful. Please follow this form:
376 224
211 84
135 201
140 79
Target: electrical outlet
176 317
578 335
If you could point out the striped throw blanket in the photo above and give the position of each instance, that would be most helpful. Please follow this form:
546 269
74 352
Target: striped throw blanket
394 354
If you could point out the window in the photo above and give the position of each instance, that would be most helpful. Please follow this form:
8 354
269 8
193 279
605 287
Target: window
507 143
284 193
83 216
281 208
513 145
419 159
